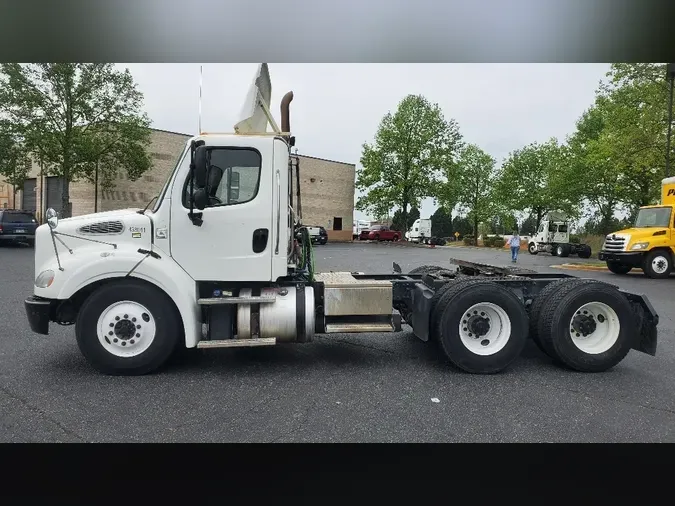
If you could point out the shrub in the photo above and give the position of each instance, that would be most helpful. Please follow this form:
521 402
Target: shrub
575 239
469 240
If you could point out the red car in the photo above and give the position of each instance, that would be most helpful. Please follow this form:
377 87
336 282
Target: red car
380 233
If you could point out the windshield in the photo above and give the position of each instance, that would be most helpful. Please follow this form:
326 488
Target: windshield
653 217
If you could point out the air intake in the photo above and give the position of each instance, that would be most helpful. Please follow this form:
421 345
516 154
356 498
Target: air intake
102 228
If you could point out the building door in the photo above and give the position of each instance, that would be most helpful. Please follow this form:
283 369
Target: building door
54 192
28 199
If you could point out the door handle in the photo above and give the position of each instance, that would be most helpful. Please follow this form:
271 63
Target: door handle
276 246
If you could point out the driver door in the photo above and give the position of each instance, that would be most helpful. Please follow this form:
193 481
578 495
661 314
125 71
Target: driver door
234 242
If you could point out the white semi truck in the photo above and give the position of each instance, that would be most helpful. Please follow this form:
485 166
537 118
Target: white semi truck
553 236
214 263
420 232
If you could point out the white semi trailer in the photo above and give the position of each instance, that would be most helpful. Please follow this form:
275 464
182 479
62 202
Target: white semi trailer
214 263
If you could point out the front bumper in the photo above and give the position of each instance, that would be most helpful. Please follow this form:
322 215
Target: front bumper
37 312
632 258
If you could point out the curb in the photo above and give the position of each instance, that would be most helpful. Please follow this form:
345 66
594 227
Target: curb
573 267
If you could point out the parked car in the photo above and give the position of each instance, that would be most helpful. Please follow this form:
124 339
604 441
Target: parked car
319 235
383 233
17 226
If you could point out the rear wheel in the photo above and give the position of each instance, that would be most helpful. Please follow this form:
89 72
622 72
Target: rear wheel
426 269
584 251
128 328
540 301
532 249
481 326
588 327
562 250
618 268
658 264
396 238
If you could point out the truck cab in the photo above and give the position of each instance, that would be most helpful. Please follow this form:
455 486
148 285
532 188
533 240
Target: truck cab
553 236
650 243
420 232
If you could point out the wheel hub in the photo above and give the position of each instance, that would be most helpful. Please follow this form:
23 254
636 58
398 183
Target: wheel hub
479 325
126 329
584 324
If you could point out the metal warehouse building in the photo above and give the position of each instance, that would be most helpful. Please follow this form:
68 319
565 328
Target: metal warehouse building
327 188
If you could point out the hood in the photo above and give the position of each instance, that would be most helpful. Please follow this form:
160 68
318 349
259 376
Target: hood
641 232
78 237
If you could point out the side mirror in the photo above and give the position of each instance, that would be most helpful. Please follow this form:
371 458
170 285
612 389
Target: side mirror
52 218
200 198
201 167
234 185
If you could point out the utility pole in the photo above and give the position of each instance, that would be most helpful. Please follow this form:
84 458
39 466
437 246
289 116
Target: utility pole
670 77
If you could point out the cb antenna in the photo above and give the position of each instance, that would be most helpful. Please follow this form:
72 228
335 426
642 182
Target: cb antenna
201 73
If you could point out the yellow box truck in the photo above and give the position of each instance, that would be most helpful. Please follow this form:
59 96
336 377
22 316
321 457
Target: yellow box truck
648 245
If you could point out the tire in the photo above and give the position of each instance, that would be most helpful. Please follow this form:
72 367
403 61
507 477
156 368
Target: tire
532 248
658 264
618 268
396 238
554 251
584 251
541 299
377 238
502 344
562 250
142 302
614 322
426 269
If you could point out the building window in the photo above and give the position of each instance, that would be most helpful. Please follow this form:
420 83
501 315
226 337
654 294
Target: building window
337 223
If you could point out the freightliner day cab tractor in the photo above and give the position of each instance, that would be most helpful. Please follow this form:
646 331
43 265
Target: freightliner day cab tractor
215 264
553 236
650 244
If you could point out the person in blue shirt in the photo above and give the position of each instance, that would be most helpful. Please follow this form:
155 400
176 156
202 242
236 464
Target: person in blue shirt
514 242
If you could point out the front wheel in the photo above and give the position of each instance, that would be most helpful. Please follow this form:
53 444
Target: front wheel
657 264
128 328
618 268
532 249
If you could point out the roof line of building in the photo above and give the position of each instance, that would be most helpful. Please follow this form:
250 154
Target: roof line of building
299 154
170 132
325 159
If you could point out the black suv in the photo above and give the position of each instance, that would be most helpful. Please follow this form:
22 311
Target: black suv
17 226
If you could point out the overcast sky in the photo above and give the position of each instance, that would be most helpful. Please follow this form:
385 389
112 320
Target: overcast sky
337 107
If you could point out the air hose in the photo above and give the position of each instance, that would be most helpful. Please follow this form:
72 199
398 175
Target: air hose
307 254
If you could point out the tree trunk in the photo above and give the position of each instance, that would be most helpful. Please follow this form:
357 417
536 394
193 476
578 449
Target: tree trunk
475 228
540 215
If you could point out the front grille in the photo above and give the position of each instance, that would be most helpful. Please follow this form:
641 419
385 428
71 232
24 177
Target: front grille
614 243
102 228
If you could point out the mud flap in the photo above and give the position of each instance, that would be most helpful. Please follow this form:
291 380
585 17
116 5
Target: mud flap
421 313
647 339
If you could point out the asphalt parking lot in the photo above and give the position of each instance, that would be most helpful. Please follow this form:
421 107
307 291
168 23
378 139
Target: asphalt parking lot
342 388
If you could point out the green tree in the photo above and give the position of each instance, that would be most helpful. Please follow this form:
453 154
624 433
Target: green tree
529 226
75 116
475 184
441 223
462 225
532 181
14 164
412 147
397 222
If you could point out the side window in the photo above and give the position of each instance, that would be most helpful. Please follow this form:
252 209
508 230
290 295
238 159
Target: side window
233 177
562 229
541 228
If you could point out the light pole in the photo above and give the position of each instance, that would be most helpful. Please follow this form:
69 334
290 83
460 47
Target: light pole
670 77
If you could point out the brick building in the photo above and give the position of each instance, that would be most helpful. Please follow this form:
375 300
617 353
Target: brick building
327 188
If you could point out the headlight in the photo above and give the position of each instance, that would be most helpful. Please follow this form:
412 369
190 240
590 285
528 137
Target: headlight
45 279
639 245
